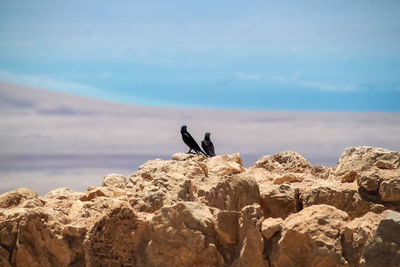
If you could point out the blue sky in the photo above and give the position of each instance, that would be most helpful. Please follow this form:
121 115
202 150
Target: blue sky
271 55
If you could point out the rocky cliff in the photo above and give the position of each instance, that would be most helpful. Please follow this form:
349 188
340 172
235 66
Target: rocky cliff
196 211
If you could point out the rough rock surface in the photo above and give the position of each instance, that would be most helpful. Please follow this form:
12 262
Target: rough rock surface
197 211
383 249
114 180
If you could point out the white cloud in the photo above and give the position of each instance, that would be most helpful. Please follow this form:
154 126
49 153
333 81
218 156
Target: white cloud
328 86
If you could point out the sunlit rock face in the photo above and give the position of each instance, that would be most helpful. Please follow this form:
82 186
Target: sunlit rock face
197 211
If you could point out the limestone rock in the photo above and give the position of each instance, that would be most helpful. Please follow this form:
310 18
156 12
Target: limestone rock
93 193
311 238
287 178
384 247
164 182
251 240
390 190
17 197
35 239
283 162
346 198
63 193
369 181
229 193
181 235
356 160
224 165
270 226
356 233
114 180
385 164
193 210
227 226
117 238
279 201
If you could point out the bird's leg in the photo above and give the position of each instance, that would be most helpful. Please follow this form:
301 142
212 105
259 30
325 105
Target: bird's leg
189 151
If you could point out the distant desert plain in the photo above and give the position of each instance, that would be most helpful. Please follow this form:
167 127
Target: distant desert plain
50 139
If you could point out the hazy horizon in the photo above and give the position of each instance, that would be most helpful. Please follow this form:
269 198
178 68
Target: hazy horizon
51 139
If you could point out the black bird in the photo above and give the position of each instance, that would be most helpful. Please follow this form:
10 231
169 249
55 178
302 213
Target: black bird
190 142
207 145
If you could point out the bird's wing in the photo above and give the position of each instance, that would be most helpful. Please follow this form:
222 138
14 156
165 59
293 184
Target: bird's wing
205 147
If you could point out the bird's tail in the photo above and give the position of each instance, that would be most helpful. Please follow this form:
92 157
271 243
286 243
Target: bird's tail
202 152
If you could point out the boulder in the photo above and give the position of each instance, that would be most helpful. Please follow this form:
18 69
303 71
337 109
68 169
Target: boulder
356 233
165 182
283 162
224 165
63 193
250 239
311 238
119 237
383 249
346 198
34 238
370 181
229 193
389 190
270 226
357 160
183 235
114 180
279 201
17 198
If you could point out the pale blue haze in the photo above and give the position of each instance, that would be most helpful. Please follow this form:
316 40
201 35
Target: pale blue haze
271 55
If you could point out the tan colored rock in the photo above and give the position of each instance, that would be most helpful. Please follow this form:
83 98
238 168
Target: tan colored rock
117 238
287 178
251 240
384 246
224 165
17 197
182 235
114 180
356 233
229 193
186 156
385 164
321 172
227 226
200 211
349 176
343 197
311 238
164 182
389 190
63 193
86 213
93 193
356 160
4 256
38 240
369 181
283 162
279 201
270 226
